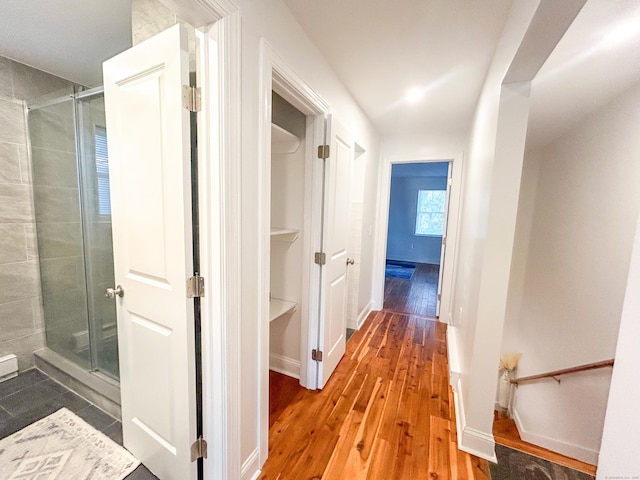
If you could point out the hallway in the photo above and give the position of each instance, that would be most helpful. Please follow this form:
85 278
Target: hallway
386 413
415 296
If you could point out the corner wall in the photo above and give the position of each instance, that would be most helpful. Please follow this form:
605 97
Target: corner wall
581 236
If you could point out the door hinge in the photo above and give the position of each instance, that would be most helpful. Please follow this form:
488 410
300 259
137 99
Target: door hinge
191 99
195 286
320 258
444 240
198 449
316 355
449 181
323 151
439 296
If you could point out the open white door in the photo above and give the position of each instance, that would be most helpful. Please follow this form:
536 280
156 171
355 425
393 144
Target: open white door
333 321
149 167
444 242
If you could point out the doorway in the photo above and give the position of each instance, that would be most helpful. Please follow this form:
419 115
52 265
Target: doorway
407 246
416 228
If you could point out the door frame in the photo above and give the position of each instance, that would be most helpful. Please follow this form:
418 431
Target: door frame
276 75
453 226
217 25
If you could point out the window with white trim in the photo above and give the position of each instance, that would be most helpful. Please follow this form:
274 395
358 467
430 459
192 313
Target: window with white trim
430 212
102 171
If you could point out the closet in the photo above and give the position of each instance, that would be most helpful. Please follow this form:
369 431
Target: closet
287 237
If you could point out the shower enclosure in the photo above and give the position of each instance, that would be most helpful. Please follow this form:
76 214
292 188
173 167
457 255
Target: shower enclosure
73 225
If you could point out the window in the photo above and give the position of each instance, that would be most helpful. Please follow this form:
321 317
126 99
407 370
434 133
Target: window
102 171
431 212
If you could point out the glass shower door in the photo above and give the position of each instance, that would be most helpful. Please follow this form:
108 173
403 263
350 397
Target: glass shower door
96 219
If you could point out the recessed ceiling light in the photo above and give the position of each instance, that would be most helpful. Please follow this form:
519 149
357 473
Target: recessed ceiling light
414 94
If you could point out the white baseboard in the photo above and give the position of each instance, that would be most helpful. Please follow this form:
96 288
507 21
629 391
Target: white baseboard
8 367
285 365
470 440
572 450
364 314
250 467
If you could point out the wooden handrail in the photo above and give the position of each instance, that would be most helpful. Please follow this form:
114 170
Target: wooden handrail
564 371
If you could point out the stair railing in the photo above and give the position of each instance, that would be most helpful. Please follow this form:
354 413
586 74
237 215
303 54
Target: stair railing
555 374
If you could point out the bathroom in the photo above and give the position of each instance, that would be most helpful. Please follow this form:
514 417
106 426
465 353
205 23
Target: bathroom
56 258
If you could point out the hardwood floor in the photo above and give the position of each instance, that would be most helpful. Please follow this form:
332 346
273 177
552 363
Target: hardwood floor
417 296
386 413
506 433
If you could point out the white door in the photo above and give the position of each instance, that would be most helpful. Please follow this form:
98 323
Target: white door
444 242
149 168
335 237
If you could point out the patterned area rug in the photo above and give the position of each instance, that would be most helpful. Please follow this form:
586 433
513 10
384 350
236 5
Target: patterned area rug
398 269
62 446
513 465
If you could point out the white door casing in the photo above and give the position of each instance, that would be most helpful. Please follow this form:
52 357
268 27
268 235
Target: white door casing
333 321
149 161
443 247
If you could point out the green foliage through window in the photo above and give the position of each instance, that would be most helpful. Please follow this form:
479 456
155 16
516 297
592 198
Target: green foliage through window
431 212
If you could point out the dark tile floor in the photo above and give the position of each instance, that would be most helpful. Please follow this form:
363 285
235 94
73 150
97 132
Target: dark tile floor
32 395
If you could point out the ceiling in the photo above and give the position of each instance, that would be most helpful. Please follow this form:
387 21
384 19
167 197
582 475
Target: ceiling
379 49
67 38
597 60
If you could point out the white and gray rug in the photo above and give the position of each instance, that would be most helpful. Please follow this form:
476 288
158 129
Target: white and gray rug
62 446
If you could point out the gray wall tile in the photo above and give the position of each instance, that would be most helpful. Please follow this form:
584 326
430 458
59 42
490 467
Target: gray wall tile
13 245
19 281
16 212
56 204
54 168
6 84
12 127
16 319
35 83
59 240
9 163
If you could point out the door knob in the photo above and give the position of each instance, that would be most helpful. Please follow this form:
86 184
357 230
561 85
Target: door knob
350 261
112 292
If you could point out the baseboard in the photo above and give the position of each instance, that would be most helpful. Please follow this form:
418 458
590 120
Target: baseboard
568 449
250 467
8 367
364 314
285 365
471 440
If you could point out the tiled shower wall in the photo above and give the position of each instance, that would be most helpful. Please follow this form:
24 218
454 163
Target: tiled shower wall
21 318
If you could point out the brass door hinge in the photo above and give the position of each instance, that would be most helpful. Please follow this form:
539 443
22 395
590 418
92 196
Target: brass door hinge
320 258
316 355
195 286
191 98
199 449
323 151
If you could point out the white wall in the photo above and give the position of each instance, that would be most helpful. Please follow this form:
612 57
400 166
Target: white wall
474 339
271 20
620 449
578 256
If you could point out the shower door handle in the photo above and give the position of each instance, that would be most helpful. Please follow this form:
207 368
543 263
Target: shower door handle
112 292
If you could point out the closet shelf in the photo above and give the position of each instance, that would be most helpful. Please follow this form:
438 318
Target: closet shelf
284 234
283 141
278 307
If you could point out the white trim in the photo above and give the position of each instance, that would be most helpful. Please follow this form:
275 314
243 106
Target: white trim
218 59
565 448
364 314
8 367
470 440
276 75
284 365
453 225
250 468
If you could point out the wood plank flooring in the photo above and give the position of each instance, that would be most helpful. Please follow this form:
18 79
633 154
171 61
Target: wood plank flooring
416 296
386 413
